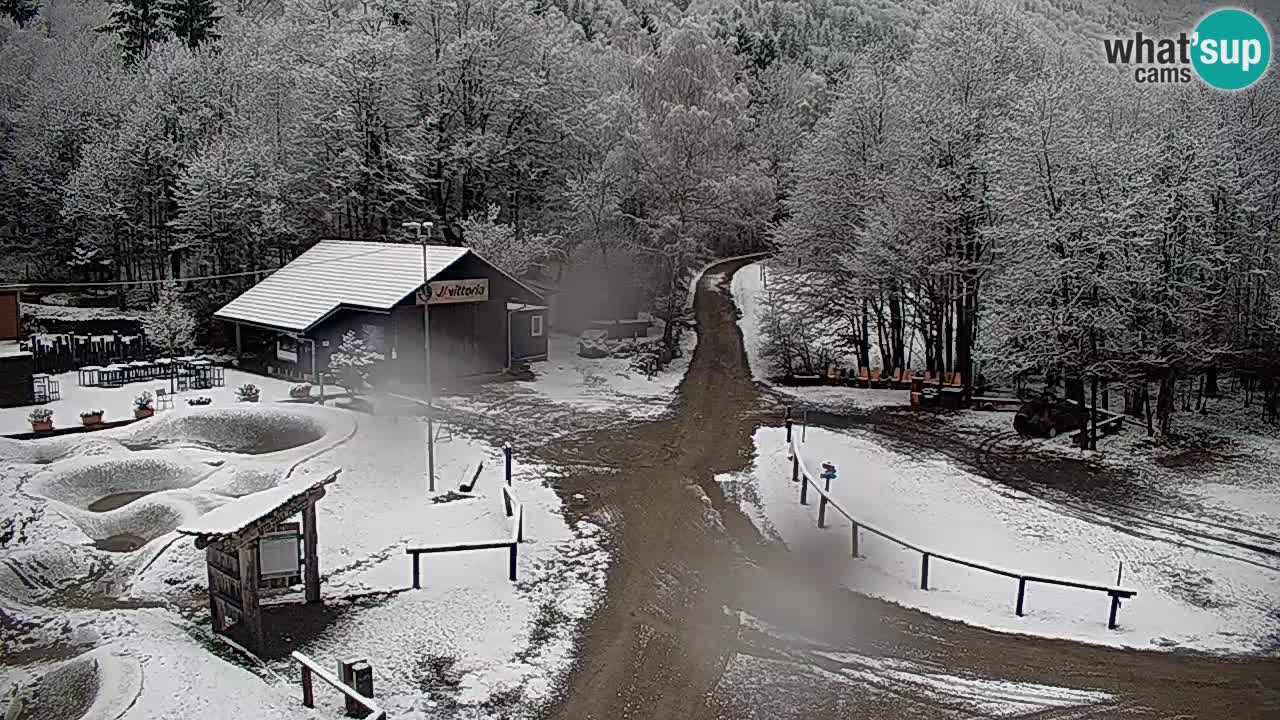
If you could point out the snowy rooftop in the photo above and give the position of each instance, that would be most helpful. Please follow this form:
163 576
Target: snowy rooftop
336 273
11 347
239 514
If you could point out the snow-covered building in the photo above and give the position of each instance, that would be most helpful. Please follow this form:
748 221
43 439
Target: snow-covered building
481 317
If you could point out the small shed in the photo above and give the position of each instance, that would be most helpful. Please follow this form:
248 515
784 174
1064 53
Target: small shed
248 544
384 293
526 332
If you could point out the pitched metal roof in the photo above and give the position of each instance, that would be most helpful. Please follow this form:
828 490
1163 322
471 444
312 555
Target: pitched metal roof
334 274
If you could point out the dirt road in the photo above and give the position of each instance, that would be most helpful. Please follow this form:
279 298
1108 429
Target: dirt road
706 619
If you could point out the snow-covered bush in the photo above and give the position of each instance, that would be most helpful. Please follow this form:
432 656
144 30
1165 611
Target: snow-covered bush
200 400
351 363
143 401
247 393
40 415
300 390
171 326
91 413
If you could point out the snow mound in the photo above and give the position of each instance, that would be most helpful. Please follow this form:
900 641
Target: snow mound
244 430
27 574
48 450
102 683
82 482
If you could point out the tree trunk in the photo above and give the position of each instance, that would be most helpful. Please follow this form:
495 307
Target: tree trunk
1164 400
1210 382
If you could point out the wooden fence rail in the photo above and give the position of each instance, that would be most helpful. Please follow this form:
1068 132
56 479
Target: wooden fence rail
801 473
311 669
513 509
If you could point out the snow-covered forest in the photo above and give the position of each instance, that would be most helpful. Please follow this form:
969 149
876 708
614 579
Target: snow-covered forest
965 176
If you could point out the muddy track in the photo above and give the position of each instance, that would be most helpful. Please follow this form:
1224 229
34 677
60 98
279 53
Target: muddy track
668 641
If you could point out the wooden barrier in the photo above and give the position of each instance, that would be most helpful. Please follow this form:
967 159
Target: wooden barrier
310 669
807 479
513 509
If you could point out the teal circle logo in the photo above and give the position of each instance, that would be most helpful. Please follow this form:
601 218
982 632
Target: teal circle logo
1231 49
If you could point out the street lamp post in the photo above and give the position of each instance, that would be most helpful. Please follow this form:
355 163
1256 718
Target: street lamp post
426 348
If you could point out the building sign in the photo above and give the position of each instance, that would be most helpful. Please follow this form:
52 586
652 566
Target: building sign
444 292
287 349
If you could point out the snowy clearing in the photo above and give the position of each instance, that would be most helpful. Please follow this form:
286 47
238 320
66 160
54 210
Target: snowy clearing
470 642
1187 598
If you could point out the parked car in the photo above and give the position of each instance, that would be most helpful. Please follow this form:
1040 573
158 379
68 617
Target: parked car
1048 418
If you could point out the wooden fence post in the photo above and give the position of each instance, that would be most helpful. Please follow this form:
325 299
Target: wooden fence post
506 455
511 570
1022 593
308 694
520 524
795 467
924 571
416 583
788 429
804 489
855 539
822 512
1115 607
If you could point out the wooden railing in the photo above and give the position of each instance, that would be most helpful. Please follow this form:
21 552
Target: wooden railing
310 669
800 473
513 509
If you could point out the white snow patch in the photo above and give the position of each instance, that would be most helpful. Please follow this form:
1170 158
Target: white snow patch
1186 597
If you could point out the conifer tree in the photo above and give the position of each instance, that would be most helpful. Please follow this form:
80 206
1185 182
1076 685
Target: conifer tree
194 22
137 26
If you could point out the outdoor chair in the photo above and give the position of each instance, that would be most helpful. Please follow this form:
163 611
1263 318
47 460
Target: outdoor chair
164 399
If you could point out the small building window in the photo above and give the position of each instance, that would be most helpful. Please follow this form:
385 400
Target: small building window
535 326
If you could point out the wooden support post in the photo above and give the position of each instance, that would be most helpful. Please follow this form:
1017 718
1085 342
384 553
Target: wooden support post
511 569
1022 593
520 524
822 512
250 611
795 467
788 427
1115 607
310 558
214 614
924 571
506 456
308 694
804 489
361 682
855 539
416 583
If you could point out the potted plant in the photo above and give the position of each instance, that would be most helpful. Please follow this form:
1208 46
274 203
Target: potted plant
41 419
91 417
300 391
142 407
247 393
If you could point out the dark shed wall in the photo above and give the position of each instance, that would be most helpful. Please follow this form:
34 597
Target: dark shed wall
524 346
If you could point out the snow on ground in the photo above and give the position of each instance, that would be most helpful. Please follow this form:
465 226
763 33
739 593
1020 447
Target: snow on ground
749 289
118 402
603 388
607 384
793 675
1186 597
467 640
749 295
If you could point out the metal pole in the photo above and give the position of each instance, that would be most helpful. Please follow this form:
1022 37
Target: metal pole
426 345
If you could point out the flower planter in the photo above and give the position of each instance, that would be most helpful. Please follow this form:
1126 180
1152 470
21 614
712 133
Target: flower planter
91 420
140 413
42 426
